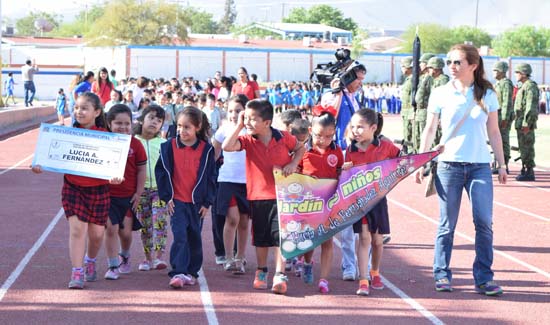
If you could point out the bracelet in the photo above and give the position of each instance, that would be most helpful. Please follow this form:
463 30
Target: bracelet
501 167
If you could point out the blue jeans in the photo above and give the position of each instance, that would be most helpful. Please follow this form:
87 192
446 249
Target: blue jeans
477 180
186 250
29 89
347 239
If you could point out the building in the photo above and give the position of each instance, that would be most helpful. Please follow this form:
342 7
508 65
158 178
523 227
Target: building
299 31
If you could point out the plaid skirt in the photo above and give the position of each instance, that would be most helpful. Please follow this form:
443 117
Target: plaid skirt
88 204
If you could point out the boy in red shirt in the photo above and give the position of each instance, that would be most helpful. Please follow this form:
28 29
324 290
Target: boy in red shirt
265 148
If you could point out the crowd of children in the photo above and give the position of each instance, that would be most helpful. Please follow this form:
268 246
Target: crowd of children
193 153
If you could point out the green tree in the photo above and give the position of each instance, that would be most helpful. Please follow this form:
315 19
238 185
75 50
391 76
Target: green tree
357 47
522 41
25 25
321 14
254 32
477 36
144 23
200 21
434 38
229 16
82 23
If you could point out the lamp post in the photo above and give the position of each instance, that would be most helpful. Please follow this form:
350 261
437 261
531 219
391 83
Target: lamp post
1 23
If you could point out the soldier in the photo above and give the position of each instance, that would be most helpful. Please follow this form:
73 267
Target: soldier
407 113
422 97
526 108
504 89
435 69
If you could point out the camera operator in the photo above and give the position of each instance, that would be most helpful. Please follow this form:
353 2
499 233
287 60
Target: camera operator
342 98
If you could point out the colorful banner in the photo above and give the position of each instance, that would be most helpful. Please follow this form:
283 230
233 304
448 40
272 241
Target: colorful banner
81 152
312 210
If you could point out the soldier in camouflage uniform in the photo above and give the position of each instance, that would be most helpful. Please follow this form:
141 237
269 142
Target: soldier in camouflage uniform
422 96
504 89
435 68
526 109
407 113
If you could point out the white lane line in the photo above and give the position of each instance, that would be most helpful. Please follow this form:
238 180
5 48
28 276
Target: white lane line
522 211
531 185
413 303
207 300
21 267
17 164
470 239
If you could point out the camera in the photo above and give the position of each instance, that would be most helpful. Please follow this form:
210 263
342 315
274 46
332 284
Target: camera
344 68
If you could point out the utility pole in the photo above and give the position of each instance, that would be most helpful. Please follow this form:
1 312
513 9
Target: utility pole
477 12
282 11
1 100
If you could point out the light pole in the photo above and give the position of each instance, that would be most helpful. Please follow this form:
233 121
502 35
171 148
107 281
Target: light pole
1 100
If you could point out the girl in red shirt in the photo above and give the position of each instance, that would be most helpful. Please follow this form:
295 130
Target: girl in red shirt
103 86
367 146
86 200
245 86
323 158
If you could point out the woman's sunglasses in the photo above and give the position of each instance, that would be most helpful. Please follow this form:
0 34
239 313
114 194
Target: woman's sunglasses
455 62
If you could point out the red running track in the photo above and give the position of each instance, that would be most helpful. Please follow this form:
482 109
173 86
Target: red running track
34 277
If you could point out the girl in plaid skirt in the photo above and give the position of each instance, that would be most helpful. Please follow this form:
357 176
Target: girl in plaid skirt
86 200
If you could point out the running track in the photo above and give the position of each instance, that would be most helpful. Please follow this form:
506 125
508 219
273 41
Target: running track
35 268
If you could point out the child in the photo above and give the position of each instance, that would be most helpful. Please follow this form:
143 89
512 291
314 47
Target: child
60 104
186 178
124 196
214 116
366 147
129 100
231 197
9 86
288 117
265 148
323 159
151 211
116 98
300 129
85 200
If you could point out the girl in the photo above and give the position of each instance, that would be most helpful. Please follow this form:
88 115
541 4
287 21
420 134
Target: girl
116 98
124 196
85 200
151 211
60 104
231 197
186 175
245 86
368 146
276 98
323 158
103 86
129 100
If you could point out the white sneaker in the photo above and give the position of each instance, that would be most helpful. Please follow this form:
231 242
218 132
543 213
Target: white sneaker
112 274
144 266
220 260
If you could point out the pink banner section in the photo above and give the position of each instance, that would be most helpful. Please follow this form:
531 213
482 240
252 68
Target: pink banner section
312 210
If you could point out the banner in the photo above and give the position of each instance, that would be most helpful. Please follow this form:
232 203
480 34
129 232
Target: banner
312 210
81 152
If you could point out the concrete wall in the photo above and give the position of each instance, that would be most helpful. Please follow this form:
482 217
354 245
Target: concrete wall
14 120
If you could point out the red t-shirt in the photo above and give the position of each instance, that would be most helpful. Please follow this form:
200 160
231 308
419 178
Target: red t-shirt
260 160
322 165
83 180
136 157
187 160
376 151
249 90
103 92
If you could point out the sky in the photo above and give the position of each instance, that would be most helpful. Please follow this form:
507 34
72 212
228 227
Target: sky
493 15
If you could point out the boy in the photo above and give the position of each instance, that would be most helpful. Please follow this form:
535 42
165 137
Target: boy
8 88
266 148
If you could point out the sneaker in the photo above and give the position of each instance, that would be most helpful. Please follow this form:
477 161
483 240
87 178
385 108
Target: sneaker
113 273
90 271
159 264
239 267
348 275
125 267
279 284
323 286
490 288
386 239
191 280
230 265
288 265
376 282
77 280
299 268
443 285
179 280
363 288
220 260
260 280
144 266
308 273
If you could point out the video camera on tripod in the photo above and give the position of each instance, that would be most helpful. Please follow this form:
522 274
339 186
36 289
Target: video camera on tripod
344 68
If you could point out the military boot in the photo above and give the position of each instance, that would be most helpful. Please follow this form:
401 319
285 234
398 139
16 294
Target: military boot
527 176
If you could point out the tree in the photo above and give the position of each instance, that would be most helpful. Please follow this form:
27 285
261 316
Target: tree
25 25
229 16
477 36
144 23
82 23
321 14
433 37
254 32
200 22
357 47
522 41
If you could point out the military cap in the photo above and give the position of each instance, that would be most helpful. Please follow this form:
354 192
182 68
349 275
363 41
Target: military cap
524 68
500 66
407 62
425 57
435 63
